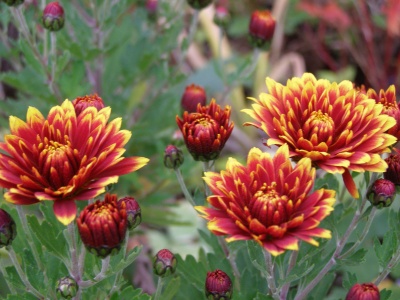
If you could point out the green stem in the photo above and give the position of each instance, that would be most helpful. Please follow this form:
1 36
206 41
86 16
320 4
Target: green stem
232 261
105 263
190 36
270 277
21 273
53 55
119 273
332 261
183 187
160 286
292 263
363 234
74 266
392 263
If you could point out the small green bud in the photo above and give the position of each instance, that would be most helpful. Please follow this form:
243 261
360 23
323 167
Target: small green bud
133 211
382 193
53 16
8 229
66 287
173 157
13 2
164 263
199 4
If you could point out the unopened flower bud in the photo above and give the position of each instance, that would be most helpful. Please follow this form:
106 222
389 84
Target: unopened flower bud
206 131
8 229
151 6
102 226
133 211
365 291
173 157
192 96
53 16
164 263
218 285
83 102
392 173
221 16
261 27
382 193
199 4
13 2
66 287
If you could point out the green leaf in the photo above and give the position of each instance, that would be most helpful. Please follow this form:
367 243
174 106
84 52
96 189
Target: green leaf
127 261
193 271
171 288
355 259
263 297
257 257
385 250
30 57
349 279
385 294
322 288
48 235
131 294
299 271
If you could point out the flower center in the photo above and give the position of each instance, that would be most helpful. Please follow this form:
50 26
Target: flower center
319 128
202 124
269 207
57 162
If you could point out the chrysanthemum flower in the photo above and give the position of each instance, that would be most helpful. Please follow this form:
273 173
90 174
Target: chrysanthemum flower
268 201
390 106
206 131
63 158
337 127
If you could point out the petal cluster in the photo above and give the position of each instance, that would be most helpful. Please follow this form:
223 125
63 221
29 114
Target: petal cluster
336 126
268 201
206 131
63 157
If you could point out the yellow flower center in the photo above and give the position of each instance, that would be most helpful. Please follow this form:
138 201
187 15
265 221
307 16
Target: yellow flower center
269 207
319 128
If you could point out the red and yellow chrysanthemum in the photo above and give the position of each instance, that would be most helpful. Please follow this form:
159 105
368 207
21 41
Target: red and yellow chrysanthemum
268 201
63 157
336 126
390 106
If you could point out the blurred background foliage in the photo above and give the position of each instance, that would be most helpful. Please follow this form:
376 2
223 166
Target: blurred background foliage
140 63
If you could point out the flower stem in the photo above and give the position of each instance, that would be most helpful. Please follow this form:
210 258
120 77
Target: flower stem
183 187
363 235
105 263
119 273
160 285
292 263
190 36
74 267
232 261
392 263
270 277
53 55
339 247
21 273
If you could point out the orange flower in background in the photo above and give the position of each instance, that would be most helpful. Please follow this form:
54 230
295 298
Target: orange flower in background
206 131
268 201
63 157
390 107
334 125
